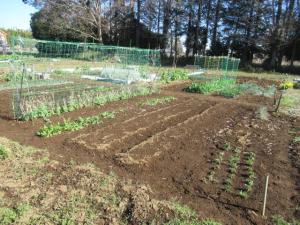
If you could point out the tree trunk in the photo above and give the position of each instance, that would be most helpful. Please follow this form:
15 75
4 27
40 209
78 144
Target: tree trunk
293 54
199 12
158 23
138 30
207 23
188 38
99 22
276 39
166 24
247 52
215 27
176 38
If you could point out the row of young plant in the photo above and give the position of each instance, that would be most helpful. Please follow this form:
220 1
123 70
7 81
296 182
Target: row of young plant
234 166
249 182
50 130
44 106
216 164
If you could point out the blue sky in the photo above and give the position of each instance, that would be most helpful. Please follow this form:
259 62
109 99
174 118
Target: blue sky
15 14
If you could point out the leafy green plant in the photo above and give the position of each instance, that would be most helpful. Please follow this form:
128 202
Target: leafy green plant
51 130
243 194
230 92
297 139
249 182
233 164
227 146
219 159
250 158
172 75
213 86
157 101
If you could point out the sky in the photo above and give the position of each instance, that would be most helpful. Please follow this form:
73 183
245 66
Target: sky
15 14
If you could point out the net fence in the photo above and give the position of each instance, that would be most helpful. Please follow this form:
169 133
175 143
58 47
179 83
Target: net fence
84 51
226 65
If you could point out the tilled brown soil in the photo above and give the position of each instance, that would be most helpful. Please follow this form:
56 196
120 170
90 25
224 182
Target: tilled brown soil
172 147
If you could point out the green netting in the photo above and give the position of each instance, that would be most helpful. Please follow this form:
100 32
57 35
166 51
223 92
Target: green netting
218 72
85 51
226 65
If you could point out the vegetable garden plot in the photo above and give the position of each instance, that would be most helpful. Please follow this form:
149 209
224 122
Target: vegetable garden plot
147 146
43 104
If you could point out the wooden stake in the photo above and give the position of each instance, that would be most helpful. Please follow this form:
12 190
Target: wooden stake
265 196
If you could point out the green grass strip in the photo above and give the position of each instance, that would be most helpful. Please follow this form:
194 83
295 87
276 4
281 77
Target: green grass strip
55 129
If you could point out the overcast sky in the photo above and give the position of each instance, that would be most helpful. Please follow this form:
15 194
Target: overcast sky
15 14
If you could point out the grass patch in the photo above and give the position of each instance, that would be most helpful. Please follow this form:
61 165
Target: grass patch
72 193
186 216
51 130
3 153
279 220
157 101
288 101
10 215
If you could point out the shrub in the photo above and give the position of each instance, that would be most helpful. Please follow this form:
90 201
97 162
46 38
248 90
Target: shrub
286 85
297 85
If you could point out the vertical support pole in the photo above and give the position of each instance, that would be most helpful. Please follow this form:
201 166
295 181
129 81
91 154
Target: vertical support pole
265 196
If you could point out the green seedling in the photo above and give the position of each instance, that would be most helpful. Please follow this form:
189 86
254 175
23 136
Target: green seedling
209 177
237 150
243 194
250 158
219 159
227 147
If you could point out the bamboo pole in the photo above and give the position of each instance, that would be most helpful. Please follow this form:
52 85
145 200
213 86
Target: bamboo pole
265 196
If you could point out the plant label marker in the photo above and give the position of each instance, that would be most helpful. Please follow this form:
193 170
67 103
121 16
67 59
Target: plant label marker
265 196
